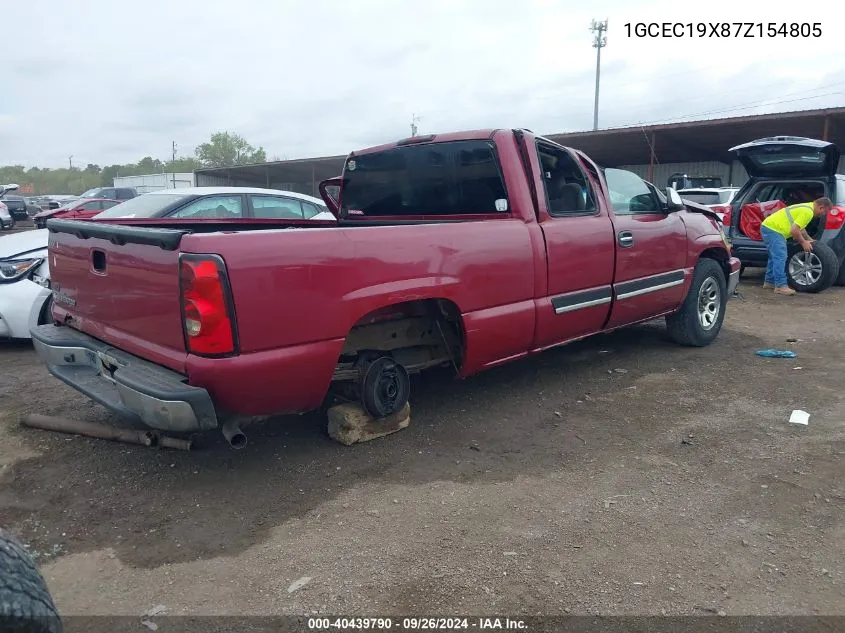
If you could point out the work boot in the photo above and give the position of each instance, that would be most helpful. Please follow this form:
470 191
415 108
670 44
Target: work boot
785 290
768 285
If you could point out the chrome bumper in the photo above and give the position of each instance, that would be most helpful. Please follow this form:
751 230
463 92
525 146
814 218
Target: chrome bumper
130 386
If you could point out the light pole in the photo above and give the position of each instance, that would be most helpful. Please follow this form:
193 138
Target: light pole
599 42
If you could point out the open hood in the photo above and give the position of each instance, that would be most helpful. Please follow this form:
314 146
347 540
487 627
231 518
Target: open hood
789 156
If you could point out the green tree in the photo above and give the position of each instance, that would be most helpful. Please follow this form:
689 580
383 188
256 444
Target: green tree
226 149
182 165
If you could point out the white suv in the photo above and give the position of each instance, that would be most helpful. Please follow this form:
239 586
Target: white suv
718 199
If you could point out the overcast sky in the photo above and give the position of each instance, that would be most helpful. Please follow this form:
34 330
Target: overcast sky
112 82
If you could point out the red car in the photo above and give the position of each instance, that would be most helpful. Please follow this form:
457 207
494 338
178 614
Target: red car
464 250
76 210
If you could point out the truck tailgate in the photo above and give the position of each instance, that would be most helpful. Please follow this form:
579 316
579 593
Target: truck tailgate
120 284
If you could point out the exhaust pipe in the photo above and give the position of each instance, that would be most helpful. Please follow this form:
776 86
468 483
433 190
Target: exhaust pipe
233 434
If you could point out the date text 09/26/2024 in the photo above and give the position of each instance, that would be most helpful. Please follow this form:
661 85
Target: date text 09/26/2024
416 624
723 29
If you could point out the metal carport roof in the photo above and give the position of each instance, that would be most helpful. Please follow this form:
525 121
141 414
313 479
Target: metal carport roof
703 140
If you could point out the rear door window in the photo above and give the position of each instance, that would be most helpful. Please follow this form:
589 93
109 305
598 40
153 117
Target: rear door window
428 179
702 197
212 207
267 207
310 210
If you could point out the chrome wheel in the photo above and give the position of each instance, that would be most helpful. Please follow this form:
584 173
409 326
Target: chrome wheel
709 303
805 269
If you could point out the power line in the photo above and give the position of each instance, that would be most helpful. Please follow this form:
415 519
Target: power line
737 108
764 101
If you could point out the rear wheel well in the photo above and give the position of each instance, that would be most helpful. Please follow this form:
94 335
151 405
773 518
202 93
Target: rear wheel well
416 334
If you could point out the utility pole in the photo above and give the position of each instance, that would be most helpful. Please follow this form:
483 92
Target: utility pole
599 42
174 151
414 120
70 161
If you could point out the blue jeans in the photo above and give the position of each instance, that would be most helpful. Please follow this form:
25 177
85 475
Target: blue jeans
776 268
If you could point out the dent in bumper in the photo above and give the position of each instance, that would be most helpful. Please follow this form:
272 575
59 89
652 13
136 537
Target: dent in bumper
132 387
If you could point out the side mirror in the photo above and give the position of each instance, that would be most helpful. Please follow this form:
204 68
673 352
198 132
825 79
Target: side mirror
673 200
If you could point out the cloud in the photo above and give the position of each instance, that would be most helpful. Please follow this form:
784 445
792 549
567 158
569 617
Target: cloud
115 82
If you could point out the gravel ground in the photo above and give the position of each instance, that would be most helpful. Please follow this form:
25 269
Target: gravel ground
620 475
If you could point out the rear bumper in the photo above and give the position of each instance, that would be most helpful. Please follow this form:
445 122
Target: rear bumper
733 277
130 386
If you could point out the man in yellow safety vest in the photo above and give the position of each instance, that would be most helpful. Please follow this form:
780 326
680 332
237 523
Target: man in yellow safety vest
780 226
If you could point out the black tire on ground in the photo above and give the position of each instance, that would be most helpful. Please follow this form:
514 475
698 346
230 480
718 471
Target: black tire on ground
25 602
700 318
811 272
741 269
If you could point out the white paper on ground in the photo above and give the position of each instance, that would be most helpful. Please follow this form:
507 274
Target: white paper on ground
799 417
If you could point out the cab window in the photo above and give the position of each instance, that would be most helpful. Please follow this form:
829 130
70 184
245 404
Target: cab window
630 194
567 189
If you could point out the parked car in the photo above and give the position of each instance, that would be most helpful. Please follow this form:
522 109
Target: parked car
7 221
111 193
221 203
464 250
718 199
81 209
32 206
16 206
791 169
24 302
7 218
24 283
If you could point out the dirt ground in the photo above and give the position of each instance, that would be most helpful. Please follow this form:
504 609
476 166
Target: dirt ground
620 475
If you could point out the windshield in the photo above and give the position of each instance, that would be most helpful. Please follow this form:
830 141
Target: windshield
460 177
145 206
91 193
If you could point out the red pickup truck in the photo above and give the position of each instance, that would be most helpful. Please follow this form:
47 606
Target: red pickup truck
466 250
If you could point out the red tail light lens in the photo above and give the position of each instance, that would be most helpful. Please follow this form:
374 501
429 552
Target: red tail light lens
207 312
835 218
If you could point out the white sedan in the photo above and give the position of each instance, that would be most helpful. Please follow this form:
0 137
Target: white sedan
25 275
24 283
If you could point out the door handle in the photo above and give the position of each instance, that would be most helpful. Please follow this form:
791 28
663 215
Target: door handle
625 239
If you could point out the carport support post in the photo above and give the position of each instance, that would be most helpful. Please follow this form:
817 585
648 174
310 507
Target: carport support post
313 181
267 175
651 160
826 131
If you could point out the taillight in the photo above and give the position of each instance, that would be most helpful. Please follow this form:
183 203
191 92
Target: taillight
207 311
725 210
835 218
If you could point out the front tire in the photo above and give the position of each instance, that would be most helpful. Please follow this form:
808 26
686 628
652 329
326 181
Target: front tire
698 322
811 272
25 602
